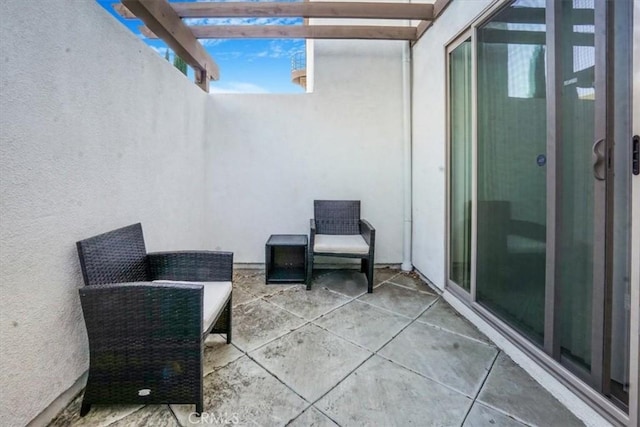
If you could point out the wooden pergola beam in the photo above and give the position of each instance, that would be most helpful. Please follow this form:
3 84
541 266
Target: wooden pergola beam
164 22
302 32
123 11
438 7
362 10
422 27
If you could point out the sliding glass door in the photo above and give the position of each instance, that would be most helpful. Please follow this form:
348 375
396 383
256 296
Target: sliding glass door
512 174
581 139
460 142
534 218
542 155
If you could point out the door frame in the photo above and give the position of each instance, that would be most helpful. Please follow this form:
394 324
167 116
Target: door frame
548 356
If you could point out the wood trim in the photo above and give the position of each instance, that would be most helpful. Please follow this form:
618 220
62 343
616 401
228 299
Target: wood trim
145 31
301 32
361 10
439 6
422 27
123 11
164 22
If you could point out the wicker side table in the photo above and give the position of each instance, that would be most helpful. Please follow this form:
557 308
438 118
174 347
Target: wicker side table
286 258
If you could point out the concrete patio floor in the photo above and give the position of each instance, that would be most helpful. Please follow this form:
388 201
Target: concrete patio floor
338 356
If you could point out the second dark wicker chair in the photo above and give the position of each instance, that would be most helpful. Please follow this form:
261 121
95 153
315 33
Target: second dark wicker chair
147 316
338 231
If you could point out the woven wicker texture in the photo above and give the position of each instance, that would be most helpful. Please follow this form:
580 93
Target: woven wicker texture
191 266
114 257
337 216
151 340
340 217
146 339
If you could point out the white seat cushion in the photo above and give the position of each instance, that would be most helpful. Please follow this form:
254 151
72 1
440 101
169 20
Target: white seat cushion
524 245
214 298
341 244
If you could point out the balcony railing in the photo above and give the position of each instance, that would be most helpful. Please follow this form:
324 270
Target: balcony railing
299 68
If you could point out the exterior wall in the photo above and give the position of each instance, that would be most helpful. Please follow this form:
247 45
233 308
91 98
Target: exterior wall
430 137
97 132
272 155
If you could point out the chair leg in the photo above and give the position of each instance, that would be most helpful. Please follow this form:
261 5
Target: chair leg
309 270
230 308
199 407
370 274
363 265
84 409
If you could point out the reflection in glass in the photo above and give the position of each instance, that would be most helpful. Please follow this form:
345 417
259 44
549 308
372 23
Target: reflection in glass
575 259
460 165
511 211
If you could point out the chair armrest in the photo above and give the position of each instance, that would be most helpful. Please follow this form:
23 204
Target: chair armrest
191 266
119 312
367 232
312 234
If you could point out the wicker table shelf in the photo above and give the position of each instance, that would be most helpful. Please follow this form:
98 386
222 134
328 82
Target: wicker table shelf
286 258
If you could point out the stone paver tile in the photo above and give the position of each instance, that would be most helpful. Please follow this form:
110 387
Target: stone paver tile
98 416
150 415
482 416
348 282
312 418
240 296
258 322
248 275
308 304
363 324
243 393
310 360
443 316
260 289
217 353
383 274
510 389
411 280
399 300
381 393
450 359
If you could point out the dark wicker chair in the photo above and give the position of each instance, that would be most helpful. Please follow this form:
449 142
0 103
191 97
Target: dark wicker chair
146 339
338 231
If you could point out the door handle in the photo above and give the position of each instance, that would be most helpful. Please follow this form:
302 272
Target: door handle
599 164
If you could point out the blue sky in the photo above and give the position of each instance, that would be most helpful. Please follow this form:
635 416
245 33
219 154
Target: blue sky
246 65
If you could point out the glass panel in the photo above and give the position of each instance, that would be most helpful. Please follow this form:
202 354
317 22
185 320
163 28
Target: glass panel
512 126
575 258
460 166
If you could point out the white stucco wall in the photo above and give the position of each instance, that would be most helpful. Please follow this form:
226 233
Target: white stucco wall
430 137
272 155
96 132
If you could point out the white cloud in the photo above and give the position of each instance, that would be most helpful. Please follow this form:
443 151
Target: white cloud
236 87
282 49
212 42
243 21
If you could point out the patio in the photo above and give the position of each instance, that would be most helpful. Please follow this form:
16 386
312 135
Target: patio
336 355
